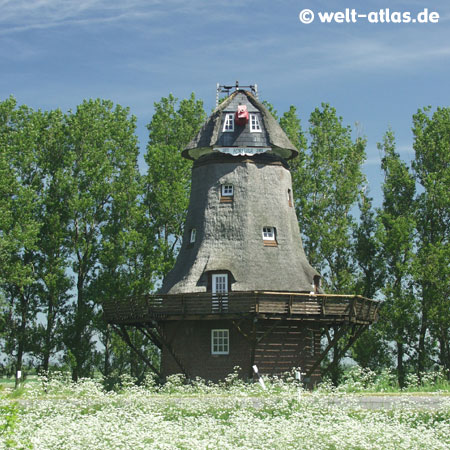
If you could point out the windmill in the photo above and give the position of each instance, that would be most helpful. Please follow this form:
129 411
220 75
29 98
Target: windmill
242 292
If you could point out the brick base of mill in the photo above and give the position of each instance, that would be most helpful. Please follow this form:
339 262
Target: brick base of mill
211 349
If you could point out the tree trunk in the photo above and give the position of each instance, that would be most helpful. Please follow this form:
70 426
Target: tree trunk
334 366
48 334
107 365
21 337
77 351
422 335
444 352
400 365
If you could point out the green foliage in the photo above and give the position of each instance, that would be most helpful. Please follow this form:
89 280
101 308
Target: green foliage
101 175
358 379
327 184
271 109
396 235
290 123
167 182
8 420
431 265
327 181
79 224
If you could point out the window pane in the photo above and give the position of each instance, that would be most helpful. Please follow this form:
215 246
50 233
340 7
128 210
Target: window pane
228 124
219 342
269 233
227 189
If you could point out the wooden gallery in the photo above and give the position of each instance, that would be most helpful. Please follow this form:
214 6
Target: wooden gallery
242 292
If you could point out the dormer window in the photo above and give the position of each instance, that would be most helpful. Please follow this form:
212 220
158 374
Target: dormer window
193 235
269 236
255 127
228 124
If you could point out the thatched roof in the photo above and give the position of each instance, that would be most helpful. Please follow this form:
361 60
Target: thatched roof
212 135
229 235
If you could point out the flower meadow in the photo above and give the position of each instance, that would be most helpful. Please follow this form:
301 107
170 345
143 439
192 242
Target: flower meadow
59 414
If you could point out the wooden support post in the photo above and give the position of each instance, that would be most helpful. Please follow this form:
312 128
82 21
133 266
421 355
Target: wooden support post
330 345
123 333
356 332
148 332
168 345
237 325
270 330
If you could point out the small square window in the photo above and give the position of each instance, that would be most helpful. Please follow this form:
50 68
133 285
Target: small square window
226 193
220 342
228 124
193 235
269 235
227 190
255 127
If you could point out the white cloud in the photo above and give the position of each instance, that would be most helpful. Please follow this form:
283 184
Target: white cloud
21 15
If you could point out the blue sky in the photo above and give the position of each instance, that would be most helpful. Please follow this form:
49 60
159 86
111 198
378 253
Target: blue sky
55 53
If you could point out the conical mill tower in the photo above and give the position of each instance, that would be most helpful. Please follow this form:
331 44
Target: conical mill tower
241 220
242 292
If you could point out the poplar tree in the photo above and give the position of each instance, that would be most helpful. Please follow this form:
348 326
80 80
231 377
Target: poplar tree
327 186
19 224
327 181
399 314
52 259
167 182
102 151
432 274
371 349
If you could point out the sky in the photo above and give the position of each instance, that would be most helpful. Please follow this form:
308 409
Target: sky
56 53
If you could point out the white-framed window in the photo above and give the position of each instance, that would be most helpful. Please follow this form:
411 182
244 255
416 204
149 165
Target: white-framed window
219 283
219 288
255 127
220 341
268 233
227 190
289 194
193 235
228 124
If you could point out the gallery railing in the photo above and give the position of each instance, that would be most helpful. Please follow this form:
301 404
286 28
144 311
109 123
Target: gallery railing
327 307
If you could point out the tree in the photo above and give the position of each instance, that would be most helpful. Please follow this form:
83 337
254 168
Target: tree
102 151
167 182
327 185
370 350
19 223
327 181
290 123
52 259
399 313
432 274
